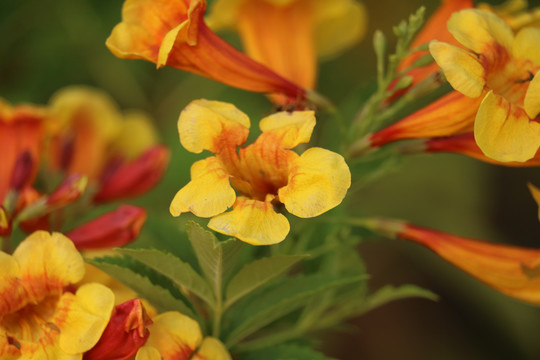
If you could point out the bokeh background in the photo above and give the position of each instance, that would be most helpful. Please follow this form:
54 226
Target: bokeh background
49 44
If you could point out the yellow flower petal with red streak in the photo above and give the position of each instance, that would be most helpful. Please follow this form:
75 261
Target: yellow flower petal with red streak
535 192
461 68
503 130
8 351
208 193
148 353
212 349
292 128
531 102
481 31
525 45
173 335
48 262
212 125
509 269
83 318
318 182
12 291
252 221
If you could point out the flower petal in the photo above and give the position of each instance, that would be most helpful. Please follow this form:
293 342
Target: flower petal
212 348
461 68
48 262
318 182
531 103
535 192
525 45
252 221
211 125
208 193
82 317
292 128
504 132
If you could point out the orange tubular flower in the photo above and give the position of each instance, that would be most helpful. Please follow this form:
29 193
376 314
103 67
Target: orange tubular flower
174 33
38 319
115 228
125 333
174 336
264 174
466 145
509 269
287 35
502 70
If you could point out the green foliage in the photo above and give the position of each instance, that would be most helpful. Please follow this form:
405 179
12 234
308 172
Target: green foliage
285 352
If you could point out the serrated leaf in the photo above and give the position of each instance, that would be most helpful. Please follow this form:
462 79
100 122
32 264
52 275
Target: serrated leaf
217 259
282 300
159 297
258 273
286 352
390 293
179 272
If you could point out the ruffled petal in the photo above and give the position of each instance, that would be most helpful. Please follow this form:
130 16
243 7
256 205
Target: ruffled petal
292 128
212 348
83 317
503 130
318 182
526 46
48 262
531 102
252 221
461 68
212 125
208 193
13 293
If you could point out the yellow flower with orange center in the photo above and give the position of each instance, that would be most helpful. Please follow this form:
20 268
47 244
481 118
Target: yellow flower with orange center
502 69
38 319
257 178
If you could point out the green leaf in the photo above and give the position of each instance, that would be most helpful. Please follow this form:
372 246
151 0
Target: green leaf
159 297
286 352
281 300
390 293
217 259
179 272
258 273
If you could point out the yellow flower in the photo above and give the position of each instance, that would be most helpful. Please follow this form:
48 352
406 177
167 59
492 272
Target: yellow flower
502 69
38 319
174 336
264 174
287 35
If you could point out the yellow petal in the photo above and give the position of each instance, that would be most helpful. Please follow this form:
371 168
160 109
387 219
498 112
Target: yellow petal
212 348
83 319
292 128
318 182
13 293
340 24
174 335
48 262
526 46
531 103
209 125
461 68
535 192
252 221
208 193
481 31
137 135
148 353
504 132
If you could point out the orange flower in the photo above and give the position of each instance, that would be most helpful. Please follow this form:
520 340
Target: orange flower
38 319
174 33
265 174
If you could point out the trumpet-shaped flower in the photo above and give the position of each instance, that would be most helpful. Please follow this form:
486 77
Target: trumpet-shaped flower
287 35
38 318
502 70
174 336
256 178
174 33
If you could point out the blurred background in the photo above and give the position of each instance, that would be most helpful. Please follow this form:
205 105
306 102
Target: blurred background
49 44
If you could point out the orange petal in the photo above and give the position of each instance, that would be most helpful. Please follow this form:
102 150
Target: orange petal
252 221
452 114
504 132
511 270
170 33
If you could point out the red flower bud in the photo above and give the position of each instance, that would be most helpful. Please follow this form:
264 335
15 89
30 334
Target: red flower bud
124 335
115 228
70 190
